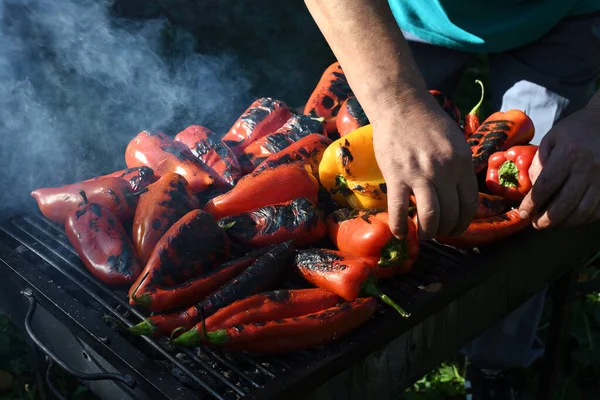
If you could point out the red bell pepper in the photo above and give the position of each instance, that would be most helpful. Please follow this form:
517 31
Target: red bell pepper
367 234
508 172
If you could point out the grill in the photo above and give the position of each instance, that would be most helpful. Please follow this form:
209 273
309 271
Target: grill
45 268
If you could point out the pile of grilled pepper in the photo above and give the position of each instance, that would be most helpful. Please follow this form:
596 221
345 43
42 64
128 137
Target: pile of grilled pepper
202 227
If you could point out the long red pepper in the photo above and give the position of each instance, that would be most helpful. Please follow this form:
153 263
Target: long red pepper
308 331
102 244
484 231
263 307
197 289
259 276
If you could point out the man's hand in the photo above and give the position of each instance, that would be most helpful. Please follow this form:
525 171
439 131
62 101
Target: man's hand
566 173
419 149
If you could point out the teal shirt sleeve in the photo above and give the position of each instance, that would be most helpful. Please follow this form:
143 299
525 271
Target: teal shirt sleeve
481 26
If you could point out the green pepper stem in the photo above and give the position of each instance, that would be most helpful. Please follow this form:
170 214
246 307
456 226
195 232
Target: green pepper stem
189 338
176 330
393 253
226 226
144 328
508 174
475 110
369 289
144 300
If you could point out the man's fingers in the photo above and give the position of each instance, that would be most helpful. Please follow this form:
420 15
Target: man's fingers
547 183
428 210
468 198
449 211
397 196
585 209
563 204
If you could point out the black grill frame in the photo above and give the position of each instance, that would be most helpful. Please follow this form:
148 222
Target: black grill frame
207 373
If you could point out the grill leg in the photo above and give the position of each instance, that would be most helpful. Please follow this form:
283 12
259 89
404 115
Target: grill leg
563 291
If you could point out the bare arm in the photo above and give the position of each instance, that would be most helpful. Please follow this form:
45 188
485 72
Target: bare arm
369 45
419 149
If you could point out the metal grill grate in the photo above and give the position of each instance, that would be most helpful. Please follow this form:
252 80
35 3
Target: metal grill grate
217 374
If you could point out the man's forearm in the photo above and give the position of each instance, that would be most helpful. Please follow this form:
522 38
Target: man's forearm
369 45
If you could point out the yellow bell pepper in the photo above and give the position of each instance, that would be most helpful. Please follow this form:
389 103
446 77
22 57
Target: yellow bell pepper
349 171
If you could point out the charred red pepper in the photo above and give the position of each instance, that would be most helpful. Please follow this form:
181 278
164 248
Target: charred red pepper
165 202
159 152
263 307
291 334
138 177
259 276
499 132
102 244
508 172
342 273
490 206
295 129
447 104
263 117
327 97
112 193
472 118
193 245
196 289
484 231
308 150
351 117
367 234
270 186
209 149
297 220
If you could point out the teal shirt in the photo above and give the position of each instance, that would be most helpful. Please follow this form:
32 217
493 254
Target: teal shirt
485 26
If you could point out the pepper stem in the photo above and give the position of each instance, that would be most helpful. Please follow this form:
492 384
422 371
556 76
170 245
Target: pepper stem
144 300
393 253
508 174
175 331
85 199
368 288
144 328
189 338
475 110
226 226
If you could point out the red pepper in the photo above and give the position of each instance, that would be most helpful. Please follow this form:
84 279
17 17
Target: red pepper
484 231
508 172
292 334
297 220
342 273
165 202
196 289
262 307
367 234
264 116
112 193
448 106
327 97
210 150
490 206
499 132
351 117
270 186
193 245
308 150
138 177
259 276
295 129
163 155
472 118
102 244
